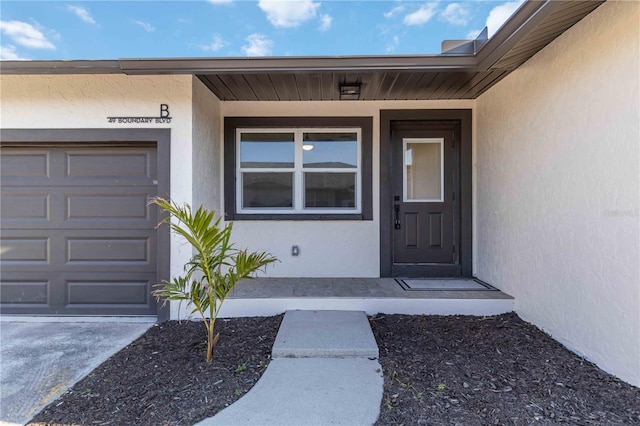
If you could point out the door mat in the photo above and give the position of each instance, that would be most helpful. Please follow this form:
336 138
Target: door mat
448 284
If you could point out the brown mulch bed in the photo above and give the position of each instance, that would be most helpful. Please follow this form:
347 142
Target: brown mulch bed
462 370
163 378
453 370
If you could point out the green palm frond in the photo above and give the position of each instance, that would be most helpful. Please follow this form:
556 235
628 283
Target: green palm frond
215 267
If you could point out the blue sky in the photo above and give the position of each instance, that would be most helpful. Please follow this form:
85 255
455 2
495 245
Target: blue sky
223 28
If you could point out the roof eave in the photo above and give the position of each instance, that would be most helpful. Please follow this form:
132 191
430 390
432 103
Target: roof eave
530 14
245 65
61 67
298 64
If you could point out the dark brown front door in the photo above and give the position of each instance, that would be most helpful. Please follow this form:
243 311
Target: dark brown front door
425 183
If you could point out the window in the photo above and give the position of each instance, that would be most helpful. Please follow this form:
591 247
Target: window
423 169
298 168
307 170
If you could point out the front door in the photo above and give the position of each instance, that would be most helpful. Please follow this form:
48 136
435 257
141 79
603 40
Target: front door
425 181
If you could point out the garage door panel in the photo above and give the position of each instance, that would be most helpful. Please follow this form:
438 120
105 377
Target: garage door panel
78 207
24 292
101 163
124 293
70 182
76 293
108 250
81 250
31 249
126 250
116 207
24 250
78 236
103 292
17 207
22 163
68 166
30 289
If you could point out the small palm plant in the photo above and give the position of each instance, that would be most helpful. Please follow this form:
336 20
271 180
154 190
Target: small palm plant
213 270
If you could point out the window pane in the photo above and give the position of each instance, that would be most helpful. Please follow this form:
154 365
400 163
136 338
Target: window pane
423 171
330 150
267 150
267 190
330 190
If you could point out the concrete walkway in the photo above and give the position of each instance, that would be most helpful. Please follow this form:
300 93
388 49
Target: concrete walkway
41 360
324 371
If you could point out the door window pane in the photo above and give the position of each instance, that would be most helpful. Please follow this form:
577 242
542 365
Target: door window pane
267 190
330 150
267 150
330 190
423 170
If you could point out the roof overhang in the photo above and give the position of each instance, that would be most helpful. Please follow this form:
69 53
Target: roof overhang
446 76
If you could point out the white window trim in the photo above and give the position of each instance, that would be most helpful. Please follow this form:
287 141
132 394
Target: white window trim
405 142
298 172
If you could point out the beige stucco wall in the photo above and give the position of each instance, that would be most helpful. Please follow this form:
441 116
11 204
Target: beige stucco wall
207 147
327 248
558 188
85 101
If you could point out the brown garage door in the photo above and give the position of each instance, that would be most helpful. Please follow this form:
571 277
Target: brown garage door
78 237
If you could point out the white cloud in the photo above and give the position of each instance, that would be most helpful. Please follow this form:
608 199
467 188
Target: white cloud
145 25
220 1
8 53
325 22
500 14
82 13
25 35
52 34
497 16
257 45
422 15
456 14
471 35
393 12
288 14
217 44
391 46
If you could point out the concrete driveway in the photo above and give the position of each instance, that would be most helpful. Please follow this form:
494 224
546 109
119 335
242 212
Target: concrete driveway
41 360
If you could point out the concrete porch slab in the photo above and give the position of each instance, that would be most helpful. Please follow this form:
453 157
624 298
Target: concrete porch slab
321 334
274 296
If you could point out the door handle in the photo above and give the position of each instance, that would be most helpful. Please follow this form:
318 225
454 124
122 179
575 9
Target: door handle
396 209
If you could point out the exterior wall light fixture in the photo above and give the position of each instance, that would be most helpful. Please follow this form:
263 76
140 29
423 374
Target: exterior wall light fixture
350 91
